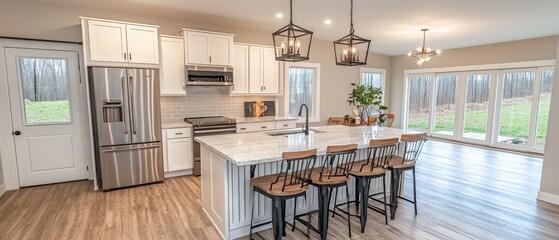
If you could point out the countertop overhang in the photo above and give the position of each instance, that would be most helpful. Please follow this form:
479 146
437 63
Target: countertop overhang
255 148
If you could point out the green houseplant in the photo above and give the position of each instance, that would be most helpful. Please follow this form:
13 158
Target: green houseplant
363 97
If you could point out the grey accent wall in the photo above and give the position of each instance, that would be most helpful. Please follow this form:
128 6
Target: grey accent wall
516 51
550 178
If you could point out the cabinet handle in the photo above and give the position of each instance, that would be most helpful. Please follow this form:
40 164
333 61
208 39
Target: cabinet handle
210 58
264 127
264 87
130 56
243 128
125 56
285 125
178 133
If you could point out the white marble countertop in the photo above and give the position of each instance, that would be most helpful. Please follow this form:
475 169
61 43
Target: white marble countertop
254 148
175 124
264 119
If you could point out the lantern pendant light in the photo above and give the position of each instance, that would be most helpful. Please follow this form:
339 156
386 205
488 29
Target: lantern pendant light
292 43
351 50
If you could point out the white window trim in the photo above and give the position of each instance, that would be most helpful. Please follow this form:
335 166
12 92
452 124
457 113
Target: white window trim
316 107
374 70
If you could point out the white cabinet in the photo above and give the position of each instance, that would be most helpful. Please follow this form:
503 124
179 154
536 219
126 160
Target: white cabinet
109 41
240 69
257 66
172 72
285 124
178 149
208 48
255 127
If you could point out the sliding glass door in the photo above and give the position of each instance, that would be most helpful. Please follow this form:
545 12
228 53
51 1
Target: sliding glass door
504 108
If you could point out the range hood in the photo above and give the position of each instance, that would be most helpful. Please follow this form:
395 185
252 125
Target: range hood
209 76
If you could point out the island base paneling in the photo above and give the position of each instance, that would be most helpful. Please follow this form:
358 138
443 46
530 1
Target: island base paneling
227 194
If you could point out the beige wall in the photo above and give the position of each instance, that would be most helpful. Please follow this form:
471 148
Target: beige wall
517 51
1 172
550 178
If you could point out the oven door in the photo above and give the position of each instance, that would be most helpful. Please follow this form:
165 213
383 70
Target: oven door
208 131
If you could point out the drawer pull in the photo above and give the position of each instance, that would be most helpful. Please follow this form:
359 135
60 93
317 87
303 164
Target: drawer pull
178 133
285 125
264 127
243 128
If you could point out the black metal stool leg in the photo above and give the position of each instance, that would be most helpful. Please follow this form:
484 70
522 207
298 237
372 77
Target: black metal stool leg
283 225
357 189
294 214
385 203
348 214
251 213
414 193
335 201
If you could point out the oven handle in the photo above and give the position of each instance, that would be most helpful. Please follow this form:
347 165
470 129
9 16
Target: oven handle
222 127
196 132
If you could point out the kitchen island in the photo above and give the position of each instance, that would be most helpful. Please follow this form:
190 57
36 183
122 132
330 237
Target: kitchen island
229 162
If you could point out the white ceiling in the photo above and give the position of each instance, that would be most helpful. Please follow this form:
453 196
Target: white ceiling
392 25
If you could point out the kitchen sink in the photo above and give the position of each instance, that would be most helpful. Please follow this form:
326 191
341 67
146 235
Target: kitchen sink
294 131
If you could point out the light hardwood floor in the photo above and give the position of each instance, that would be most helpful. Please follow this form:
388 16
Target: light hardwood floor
463 193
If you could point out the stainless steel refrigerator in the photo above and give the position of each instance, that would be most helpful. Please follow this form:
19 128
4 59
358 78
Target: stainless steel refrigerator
126 126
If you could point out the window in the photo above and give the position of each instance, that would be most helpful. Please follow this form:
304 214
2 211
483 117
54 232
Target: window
303 87
373 77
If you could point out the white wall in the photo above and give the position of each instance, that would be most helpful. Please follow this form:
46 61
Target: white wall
549 189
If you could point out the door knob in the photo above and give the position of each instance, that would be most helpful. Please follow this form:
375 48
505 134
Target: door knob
17 133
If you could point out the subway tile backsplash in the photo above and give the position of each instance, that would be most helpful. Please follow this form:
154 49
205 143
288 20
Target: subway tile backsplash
206 101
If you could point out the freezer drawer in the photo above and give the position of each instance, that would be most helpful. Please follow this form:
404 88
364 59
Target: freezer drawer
130 165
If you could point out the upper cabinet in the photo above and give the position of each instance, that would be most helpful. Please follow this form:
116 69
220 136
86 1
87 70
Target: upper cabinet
208 48
172 72
256 70
113 43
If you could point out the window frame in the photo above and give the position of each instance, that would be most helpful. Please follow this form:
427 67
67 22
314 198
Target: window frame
316 96
378 71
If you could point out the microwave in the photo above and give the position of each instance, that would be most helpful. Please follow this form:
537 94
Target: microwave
209 76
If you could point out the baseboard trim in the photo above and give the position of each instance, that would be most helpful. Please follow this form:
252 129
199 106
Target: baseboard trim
548 197
2 189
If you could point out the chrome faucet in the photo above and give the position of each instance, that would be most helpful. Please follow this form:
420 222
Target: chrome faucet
306 126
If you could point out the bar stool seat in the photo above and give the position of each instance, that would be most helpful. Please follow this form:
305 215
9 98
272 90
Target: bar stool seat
263 184
331 180
397 162
366 171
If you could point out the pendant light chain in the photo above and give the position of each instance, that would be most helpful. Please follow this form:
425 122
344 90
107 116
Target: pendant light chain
290 12
351 31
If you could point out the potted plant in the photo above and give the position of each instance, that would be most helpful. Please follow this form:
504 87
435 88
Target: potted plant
363 97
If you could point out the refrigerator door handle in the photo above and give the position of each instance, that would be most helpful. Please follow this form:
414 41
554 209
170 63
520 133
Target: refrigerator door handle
121 149
132 105
122 83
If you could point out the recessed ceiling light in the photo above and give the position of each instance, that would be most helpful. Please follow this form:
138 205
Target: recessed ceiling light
279 15
327 21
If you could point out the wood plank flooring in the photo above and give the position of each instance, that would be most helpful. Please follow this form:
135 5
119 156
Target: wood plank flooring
463 193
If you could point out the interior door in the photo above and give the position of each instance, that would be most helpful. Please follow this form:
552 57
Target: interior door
48 125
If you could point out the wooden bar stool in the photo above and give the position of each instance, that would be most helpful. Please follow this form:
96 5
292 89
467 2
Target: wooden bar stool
333 173
289 183
413 144
379 153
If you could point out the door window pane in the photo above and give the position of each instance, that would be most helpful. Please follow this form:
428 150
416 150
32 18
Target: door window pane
301 89
44 90
445 104
418 102
477 106
543 108
516 107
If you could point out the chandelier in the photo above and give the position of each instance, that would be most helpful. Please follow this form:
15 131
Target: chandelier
293 43
351 50
423 54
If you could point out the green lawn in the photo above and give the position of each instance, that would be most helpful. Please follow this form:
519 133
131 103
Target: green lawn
47 111
514 120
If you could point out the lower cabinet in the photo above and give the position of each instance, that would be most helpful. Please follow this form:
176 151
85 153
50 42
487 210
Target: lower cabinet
264 126
177 152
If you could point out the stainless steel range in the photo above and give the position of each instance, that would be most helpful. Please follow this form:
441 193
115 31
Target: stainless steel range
206 126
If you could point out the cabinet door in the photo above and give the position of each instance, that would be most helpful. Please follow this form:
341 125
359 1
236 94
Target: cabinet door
143 44
198 47
221 50
240 69
270 80
179 154
172 72
107 41
255 69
